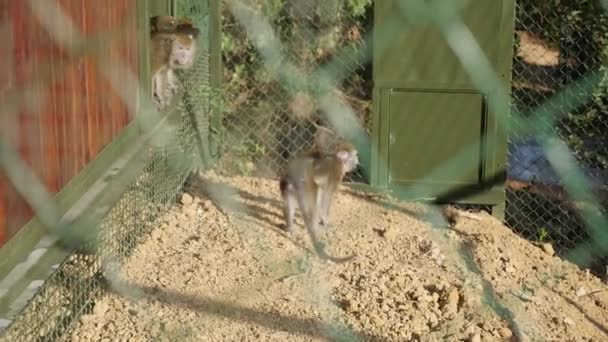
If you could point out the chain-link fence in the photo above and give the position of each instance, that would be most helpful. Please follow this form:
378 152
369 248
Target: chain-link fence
271 111
556 47
266 121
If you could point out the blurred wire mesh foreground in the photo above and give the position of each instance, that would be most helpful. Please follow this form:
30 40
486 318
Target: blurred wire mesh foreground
263 123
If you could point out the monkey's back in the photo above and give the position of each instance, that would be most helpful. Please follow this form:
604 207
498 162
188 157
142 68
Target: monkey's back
299 171
160 49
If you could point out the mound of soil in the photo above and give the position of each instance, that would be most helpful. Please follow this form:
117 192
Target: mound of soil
220 268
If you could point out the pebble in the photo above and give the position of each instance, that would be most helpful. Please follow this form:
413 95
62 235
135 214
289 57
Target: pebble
100 308
568 321
187 199
506 333
581 291
548 248
475 338
451 304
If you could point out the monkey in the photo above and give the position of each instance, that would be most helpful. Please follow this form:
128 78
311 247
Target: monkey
173 46
183 50
310 181
160 48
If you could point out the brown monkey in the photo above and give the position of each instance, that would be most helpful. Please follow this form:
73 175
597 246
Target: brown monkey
184 46
183 51
173 46
160 49
310 181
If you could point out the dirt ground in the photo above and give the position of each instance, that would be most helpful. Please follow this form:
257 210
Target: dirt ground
232 274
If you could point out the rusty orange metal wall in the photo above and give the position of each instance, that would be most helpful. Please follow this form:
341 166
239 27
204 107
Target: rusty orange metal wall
70 110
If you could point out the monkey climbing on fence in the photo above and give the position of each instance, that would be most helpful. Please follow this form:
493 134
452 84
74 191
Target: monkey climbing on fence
173 46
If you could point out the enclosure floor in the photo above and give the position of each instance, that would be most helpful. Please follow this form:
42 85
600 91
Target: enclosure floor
233 275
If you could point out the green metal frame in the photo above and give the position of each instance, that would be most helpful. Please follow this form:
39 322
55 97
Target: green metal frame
395 76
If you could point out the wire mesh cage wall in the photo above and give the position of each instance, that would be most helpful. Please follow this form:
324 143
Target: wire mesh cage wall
77 281
560 52
267 121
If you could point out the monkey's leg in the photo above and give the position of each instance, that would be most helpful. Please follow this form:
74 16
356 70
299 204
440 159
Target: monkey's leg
311 220
155 97
326 196
159 95
307 201
172 81
289 202
289 209
166 87
319 204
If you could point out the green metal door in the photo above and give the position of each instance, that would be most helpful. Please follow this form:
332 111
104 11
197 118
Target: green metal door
427 110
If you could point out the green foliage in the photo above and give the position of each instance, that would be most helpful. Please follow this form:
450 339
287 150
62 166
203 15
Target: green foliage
543 234
358 7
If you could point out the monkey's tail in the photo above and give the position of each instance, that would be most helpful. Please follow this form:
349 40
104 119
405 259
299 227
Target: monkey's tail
323 255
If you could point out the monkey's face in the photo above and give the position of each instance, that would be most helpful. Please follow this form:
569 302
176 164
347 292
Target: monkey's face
182 51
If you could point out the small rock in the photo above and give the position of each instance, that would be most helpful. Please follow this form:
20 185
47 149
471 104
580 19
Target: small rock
350 305
380 231
452 234
505 333
432 319
581 291
280 335
568 321
86 318
527 297
548 248
101 308
510 269
377 320
187 199
189 212
400 279
424 298
451 303
475 338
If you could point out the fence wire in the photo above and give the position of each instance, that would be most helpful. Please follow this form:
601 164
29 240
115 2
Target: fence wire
556 46
282 95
